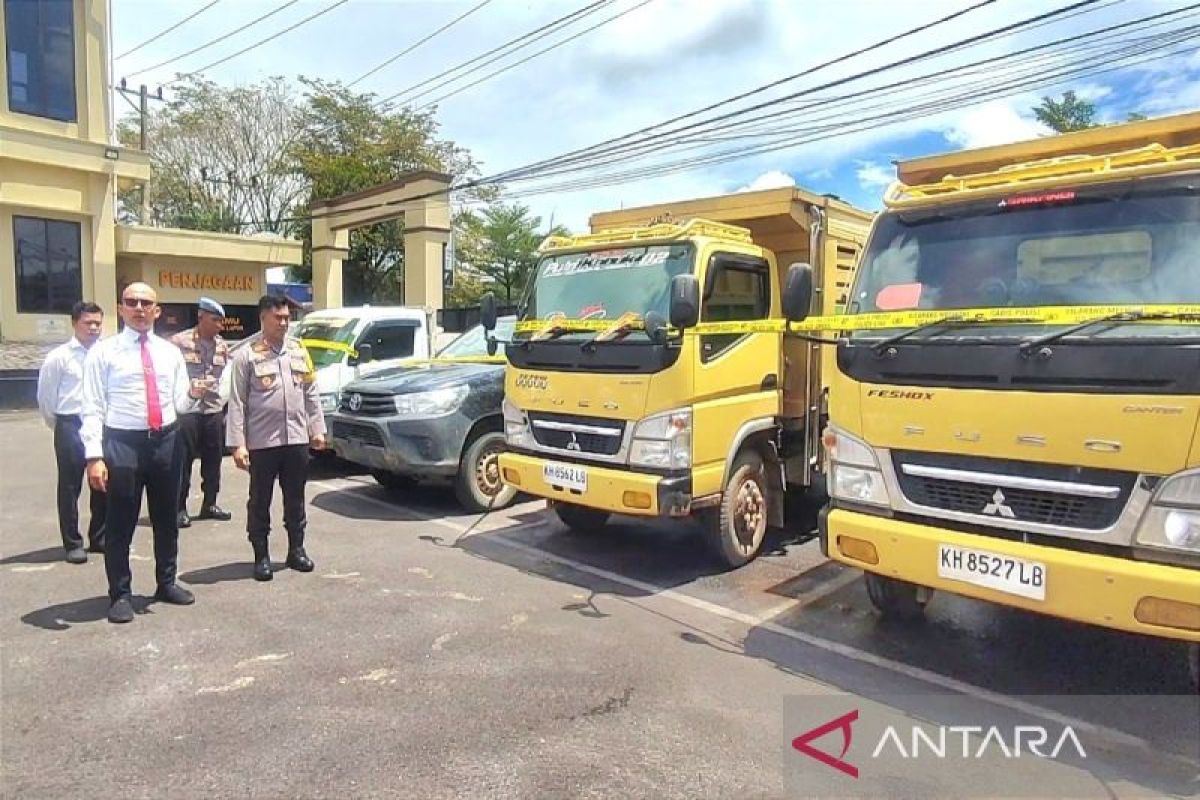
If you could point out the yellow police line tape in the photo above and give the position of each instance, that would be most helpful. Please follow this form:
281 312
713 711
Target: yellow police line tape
408 362
325 344
1033 315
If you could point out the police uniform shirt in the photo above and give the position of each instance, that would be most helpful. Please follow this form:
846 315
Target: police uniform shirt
204 359
273 400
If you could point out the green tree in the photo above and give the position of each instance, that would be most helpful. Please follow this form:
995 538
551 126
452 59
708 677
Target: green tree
500 244
1070 113
218 158
345 143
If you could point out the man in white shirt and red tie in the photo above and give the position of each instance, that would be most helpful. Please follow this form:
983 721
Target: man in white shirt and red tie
60 398
134 386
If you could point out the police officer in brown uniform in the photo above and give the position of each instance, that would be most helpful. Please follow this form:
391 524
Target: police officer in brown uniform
206 356
274 417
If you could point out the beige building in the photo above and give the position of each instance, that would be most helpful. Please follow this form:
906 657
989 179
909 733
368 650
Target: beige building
59 176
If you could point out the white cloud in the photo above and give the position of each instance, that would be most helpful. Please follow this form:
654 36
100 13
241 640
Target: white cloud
872 176
993 123
773 179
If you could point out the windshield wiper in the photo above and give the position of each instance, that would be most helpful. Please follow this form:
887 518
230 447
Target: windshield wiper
1029 346
948 320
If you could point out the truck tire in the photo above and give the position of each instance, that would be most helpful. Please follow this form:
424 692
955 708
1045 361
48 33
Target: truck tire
579 518
735 533
895 599
478 486
392 480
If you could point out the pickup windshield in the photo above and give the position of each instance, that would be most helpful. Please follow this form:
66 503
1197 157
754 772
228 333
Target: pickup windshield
1127 244
604 284
324 329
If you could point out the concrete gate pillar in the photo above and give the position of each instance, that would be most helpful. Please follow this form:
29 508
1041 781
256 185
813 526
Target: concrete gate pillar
422 199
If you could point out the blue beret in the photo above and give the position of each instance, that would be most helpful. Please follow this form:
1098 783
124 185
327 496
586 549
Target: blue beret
211 306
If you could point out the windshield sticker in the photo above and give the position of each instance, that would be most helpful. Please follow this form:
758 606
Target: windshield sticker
899 297
594 311
605 261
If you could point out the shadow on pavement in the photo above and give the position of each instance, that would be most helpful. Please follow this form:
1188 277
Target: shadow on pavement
62 616
225 573
43 556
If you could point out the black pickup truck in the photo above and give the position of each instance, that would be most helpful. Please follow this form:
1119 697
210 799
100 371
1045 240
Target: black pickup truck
437 421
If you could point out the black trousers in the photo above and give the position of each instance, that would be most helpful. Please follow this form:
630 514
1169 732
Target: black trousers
203 437
138 460
68 452
288 464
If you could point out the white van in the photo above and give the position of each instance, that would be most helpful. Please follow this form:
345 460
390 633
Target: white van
333 335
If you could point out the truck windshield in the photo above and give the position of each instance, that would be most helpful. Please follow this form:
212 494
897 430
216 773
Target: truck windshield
474 342
324 329
1126 244
604 284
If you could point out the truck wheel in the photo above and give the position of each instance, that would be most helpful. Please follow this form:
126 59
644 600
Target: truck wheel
392 480
478 486
736 532
896 599
578 518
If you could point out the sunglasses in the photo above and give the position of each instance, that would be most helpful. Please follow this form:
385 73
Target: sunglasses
138 302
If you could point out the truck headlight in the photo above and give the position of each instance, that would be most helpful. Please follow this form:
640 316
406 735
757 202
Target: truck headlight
854 473
516 426
436 403
329 402
663 441
1172 520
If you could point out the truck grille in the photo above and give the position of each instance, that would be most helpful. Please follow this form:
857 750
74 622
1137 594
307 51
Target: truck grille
370 405
579 434
1065 509
352 431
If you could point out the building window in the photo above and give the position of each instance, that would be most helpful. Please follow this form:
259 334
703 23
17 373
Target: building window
49 265
41 58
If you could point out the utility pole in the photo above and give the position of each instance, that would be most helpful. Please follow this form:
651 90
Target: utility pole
143 111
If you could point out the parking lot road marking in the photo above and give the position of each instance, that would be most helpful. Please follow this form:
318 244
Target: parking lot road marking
239 683
763 621
33 568
264 658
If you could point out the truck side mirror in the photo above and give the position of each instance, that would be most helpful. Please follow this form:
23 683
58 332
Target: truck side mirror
656 327
488 311
364 355
798 292
685 301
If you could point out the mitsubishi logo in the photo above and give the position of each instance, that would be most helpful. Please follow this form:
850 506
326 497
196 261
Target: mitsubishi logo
355 402
999 507
574 443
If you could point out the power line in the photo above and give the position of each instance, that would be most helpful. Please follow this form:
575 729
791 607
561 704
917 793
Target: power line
217 40
541 52
167 30
514 44
260 42
418 43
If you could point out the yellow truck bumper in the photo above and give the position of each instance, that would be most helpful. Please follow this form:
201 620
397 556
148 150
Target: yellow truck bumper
1128 595
616 490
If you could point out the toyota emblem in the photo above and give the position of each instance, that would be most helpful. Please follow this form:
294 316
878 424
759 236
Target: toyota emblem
355 402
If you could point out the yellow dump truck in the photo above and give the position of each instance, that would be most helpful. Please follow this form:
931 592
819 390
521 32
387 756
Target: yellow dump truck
615 405
1027 431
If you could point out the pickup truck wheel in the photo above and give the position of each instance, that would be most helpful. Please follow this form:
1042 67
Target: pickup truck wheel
896 599
478 486
578 518
392 480
736 532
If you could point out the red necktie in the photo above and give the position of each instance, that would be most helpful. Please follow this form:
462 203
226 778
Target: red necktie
153 407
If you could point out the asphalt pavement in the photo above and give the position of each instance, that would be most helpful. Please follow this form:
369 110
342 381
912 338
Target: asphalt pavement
436 654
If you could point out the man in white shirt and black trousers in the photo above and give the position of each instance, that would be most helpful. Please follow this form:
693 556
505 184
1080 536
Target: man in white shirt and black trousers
134 386
60 398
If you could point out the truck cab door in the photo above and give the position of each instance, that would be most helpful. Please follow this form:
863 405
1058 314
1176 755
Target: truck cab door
737 377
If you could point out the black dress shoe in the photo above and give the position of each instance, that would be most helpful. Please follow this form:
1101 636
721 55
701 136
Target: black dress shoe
298 560
121 611
76 555
214 511
174 594
184 520
96 547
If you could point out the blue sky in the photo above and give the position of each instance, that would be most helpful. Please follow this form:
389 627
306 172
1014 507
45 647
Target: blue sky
662 59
